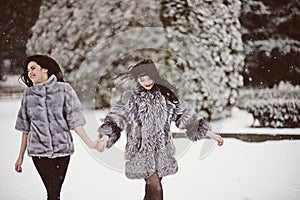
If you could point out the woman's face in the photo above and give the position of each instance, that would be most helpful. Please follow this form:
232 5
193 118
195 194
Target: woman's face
146 82
36 73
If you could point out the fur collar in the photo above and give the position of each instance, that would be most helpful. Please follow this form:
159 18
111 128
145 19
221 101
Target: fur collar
49 84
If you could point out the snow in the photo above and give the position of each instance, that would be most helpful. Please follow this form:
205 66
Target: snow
241 121
237 170
11 81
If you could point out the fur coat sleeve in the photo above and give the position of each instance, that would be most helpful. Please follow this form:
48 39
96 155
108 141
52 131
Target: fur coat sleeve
186 118
23 121
115 121
73 108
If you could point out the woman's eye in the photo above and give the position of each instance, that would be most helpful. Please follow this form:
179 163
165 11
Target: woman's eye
30 69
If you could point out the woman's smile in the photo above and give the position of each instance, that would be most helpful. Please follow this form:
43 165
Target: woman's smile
146 82
149 86
36 73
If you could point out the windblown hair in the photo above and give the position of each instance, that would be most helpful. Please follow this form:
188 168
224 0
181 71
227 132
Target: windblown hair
146 67
45 62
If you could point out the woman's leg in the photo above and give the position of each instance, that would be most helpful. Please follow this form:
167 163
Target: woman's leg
154 190
52 171
61 164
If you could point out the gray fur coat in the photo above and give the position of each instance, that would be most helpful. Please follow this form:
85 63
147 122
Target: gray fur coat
48 112
146 117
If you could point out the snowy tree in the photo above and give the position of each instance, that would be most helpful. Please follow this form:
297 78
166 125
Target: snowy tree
196 45
271 39
86 37
204 42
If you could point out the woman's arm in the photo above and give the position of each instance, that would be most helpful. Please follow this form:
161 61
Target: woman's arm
19 162
75 117
186 118
115 121
216 137
72 108
86 139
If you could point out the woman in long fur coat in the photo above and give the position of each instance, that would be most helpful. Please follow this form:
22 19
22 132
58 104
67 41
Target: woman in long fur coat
145 114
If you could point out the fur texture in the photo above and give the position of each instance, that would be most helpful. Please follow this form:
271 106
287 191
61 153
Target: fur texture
48 112
146 117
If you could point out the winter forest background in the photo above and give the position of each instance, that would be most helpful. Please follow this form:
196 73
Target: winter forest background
236 61
219 53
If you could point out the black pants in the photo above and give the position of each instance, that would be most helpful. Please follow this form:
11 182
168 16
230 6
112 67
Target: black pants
52 171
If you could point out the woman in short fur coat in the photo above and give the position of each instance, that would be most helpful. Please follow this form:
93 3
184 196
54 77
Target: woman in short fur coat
49 110
146 113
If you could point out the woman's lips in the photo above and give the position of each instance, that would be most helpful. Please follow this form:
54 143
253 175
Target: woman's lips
148 85
31 76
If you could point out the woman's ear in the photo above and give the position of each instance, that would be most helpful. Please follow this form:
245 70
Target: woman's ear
45 70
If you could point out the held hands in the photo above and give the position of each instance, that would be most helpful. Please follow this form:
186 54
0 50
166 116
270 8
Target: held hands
98 144
101 143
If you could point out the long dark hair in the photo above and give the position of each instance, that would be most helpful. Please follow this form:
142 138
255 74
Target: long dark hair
146 67
45 62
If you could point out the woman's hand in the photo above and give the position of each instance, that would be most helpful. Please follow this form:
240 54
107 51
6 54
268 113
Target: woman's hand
216 137
220 140
19 162
18 165
101 143
82 134
93 144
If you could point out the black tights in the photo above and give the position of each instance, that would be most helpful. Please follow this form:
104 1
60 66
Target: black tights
52 171
153 188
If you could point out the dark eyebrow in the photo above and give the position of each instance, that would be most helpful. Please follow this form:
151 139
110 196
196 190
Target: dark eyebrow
30 67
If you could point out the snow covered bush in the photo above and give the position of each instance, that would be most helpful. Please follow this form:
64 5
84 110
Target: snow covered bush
196 45
276 113
277 107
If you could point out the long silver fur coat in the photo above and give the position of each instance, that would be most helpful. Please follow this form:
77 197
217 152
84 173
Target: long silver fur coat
145 116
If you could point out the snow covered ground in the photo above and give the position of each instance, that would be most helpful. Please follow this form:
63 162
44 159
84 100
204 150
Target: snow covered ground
238 170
